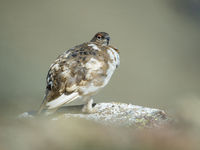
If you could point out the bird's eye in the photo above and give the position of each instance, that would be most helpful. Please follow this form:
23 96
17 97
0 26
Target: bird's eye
99 37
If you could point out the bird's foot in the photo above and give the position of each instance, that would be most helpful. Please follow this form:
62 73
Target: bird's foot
87 108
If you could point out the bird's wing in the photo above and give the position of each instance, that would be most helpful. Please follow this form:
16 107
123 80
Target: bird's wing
59 76
71 71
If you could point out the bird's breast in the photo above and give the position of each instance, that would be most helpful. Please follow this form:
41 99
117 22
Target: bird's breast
100 71
114 56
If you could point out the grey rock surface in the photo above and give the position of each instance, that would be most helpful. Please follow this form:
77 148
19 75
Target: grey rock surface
117 114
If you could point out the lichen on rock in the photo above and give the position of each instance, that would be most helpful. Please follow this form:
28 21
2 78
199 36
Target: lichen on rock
117 114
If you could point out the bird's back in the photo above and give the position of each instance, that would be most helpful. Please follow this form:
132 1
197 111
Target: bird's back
80 72
84 68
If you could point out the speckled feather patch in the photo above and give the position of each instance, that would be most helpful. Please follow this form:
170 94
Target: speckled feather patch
83 69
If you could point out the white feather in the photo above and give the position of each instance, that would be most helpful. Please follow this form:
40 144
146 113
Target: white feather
89 89
56 67
92 65
62 100
114 56
109 73
94 46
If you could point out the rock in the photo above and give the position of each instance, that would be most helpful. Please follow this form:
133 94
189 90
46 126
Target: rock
117 114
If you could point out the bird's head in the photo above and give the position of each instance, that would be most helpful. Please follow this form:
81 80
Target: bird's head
102 38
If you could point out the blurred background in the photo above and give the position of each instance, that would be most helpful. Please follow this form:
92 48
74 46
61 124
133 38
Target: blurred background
158 40
158 43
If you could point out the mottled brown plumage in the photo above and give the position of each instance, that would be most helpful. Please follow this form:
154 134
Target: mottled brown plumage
80 72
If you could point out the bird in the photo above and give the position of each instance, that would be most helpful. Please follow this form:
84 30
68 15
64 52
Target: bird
79 73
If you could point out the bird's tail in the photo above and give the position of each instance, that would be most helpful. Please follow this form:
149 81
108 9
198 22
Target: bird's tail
42 105
61 100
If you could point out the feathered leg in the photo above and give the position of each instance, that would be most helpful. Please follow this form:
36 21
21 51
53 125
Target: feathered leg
87 108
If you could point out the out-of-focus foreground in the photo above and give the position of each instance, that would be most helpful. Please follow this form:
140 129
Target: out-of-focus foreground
159 49
85 135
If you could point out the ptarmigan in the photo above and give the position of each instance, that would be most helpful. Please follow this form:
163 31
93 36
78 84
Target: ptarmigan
80 72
